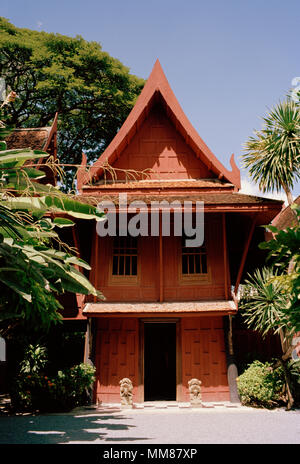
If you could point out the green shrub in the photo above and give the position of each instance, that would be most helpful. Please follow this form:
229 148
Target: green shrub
70 386
261 385
62 392
294 372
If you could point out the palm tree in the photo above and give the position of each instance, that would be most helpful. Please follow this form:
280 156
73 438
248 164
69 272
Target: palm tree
273 153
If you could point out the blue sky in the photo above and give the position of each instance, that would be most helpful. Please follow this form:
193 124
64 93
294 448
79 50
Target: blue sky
228 62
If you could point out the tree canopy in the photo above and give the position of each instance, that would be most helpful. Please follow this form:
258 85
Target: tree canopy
92 91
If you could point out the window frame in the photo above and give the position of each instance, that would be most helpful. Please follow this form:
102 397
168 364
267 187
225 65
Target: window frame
123 279
196 279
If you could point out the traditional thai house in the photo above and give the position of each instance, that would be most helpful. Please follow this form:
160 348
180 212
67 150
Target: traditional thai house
167 314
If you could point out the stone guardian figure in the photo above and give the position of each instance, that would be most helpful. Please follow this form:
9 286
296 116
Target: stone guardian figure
126 388
195 393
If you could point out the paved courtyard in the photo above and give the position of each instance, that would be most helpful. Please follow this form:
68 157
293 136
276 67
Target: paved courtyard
218 424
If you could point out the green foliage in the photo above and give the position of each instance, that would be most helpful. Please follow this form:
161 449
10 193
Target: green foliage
264 301
272 295
294 373
272 155
35 359
284 253
35 265
92 91
61 392
285 246
261 385
70 385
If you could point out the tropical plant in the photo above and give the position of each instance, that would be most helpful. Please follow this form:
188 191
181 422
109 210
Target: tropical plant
35 265
272 155
261 385
35 359
271 301
264 300
38 391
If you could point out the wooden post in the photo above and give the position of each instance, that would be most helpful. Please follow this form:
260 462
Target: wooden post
225 256
79 296
96 261
161 273
232 371
244 256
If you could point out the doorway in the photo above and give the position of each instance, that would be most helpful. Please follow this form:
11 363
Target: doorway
160 361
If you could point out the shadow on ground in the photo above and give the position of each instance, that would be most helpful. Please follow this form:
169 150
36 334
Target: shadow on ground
59 429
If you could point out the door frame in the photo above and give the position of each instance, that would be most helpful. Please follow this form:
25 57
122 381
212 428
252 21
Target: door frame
141 364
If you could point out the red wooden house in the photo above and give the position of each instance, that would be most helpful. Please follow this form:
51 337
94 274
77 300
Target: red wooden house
167 314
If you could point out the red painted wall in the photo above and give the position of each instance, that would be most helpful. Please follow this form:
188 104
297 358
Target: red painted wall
203 357
116 357
159 147
201 347
147 286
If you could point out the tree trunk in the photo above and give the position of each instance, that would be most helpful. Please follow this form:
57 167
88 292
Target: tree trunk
288 193
286 350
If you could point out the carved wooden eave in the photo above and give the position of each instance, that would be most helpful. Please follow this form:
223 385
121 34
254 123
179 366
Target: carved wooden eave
157 88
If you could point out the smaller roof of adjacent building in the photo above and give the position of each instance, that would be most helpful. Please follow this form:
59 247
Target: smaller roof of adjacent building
37 138
286 217
34 138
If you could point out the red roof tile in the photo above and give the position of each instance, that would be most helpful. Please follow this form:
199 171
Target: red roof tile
34 138
163 184
159 308
286 218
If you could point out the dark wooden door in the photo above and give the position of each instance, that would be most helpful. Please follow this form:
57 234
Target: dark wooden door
160 361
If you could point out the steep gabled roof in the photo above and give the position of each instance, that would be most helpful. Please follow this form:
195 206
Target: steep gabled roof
158 87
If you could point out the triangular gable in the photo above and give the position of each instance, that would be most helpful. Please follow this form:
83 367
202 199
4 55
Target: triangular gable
158 83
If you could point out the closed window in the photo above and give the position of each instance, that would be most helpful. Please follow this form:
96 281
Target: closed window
124 256
194 260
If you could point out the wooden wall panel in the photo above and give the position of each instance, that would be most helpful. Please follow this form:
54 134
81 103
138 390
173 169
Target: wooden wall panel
249 345
147 286
203 357
159 147
117 348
